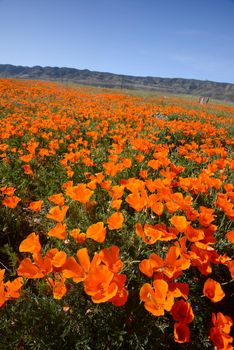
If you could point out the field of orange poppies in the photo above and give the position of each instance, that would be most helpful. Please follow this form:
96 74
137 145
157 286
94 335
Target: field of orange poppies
116 216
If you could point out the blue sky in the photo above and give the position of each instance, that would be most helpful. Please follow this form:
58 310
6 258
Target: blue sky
164 38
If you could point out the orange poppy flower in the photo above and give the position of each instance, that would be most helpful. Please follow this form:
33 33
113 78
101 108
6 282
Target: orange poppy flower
116 204
26 158
110 257
206 216
67 184
219 333
180 223
2 273
13 288
78 272
134 185
153 185
137 201
122 294
51 253
181 333
182 312
59 231
140 157
230 266
8 191
193 234
11 202
106 184
27 169
36 206
155 164
71 269
221 341
202 257
172 207
149 234
224 323
115 221
2 293
179 289
230 236
99 284
31 244
99 177
97 232
44 264
156 300
83 257
172 266
166 234
58 287
143 174
70 172
44 152
80 237
79 193
59 259
112 168
213 290
57 213
127 162
29 270
117 191
157 208
57 199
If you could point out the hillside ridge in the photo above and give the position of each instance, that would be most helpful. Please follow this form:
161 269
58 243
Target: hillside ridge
206 88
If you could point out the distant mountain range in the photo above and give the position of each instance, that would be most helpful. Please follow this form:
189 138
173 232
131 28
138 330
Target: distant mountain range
204 88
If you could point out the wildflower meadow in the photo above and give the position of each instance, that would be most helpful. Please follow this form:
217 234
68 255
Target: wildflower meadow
116 214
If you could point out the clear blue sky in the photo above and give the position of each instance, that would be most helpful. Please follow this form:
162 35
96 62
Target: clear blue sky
165 38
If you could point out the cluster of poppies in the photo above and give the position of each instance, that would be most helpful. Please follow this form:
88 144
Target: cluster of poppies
154 176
